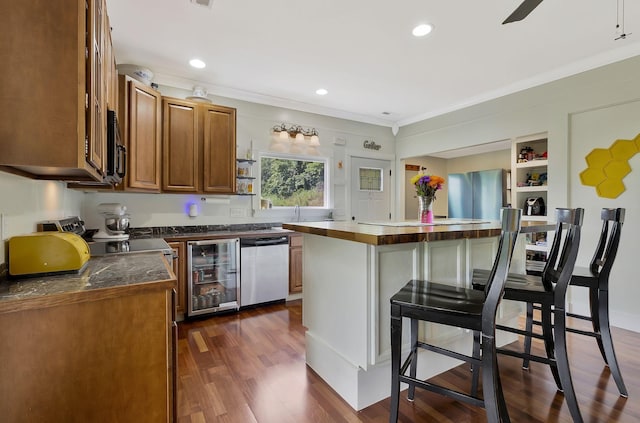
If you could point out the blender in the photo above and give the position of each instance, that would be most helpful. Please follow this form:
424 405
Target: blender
116 222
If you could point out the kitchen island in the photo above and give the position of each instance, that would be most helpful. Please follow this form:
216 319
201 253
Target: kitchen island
94 346
350 270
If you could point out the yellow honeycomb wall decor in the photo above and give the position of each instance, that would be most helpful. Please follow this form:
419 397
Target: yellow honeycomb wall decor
607 167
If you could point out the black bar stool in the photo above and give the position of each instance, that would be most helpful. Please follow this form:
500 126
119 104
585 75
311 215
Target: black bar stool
459 307
549 293
596 279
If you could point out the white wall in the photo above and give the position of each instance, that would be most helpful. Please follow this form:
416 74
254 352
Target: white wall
24 202
500 159
578 113
599 128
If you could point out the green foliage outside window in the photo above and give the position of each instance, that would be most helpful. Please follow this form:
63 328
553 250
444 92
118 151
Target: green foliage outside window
290 182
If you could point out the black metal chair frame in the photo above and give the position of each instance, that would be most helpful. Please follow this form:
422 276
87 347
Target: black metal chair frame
596 279
459 307
549 293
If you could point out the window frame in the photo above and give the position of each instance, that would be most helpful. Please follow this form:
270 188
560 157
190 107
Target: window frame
297 157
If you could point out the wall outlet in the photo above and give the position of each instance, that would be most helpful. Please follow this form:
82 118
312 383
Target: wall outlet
236 212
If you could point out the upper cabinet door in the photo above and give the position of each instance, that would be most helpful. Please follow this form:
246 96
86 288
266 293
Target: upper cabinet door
180 146
219 149
143 147
96 113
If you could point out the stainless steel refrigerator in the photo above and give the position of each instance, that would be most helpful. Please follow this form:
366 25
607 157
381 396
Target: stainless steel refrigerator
477 195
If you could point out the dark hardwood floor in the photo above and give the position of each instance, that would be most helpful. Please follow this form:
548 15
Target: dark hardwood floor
250 367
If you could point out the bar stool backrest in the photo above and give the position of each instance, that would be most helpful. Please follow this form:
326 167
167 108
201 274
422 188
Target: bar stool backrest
498 276
564 251
607 248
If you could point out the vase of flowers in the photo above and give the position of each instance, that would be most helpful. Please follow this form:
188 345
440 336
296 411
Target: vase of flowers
426 187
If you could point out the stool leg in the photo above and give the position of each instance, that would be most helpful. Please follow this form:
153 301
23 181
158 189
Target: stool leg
494 403
475 369
608 343
547 333
396 347
563 364
414 358
594 307
528 327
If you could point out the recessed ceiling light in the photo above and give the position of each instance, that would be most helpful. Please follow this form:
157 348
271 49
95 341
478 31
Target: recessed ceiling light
422 30
322 91
197 63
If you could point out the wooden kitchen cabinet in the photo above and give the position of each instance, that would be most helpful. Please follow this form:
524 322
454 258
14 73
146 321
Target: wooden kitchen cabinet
139 118
180 168
53 102
199 147
104 356
295 263
219 145
179 265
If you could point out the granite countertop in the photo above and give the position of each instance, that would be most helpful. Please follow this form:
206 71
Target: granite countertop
387 233
103 276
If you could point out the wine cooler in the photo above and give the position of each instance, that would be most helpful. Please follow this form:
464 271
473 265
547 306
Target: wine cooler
214 276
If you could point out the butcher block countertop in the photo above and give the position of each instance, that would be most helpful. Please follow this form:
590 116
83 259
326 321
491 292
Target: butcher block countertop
388 233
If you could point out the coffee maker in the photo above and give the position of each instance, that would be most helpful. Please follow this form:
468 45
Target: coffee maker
116 222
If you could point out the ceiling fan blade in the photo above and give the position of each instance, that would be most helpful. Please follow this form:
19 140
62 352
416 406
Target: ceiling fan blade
522 11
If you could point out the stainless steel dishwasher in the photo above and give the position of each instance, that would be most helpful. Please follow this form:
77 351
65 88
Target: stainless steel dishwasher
264 269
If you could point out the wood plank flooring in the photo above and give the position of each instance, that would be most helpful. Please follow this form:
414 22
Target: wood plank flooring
250 367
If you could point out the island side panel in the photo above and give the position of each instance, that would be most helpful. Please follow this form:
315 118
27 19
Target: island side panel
335 310
392 268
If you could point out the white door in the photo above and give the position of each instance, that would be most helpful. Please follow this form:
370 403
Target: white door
370 189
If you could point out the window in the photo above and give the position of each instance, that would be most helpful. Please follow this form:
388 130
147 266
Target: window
370 179
293 181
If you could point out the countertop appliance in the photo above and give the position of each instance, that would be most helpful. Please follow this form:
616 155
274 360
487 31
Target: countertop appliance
477 195
264 269
47 253
213 279
116 151
534 206
116 222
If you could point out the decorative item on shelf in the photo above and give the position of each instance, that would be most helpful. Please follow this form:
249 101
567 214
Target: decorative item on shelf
426 187
298 133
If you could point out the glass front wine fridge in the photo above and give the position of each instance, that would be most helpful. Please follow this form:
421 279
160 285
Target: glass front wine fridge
214 276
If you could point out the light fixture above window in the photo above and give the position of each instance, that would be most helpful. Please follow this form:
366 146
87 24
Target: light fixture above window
422 30
197 63
298 133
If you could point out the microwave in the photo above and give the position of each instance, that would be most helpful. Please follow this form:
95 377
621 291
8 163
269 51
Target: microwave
116 152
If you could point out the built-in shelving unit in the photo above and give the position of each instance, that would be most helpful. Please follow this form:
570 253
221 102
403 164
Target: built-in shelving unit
244 176
529 188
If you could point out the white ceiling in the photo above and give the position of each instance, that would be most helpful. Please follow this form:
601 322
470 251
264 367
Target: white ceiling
279 52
